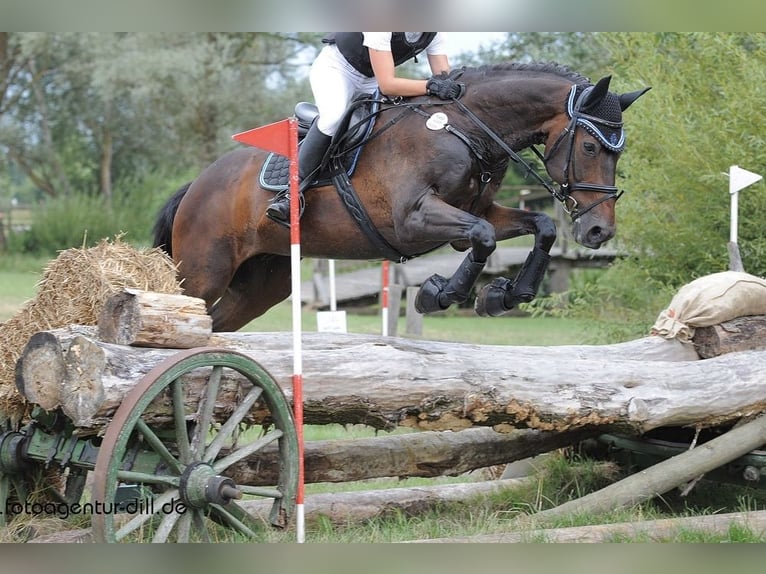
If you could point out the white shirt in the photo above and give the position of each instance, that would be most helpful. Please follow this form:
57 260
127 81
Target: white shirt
382 41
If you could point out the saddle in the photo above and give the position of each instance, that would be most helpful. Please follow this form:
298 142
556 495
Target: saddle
346 145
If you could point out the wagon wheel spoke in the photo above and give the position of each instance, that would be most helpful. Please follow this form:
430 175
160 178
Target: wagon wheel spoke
205 412
144 478
184 527
198 521
243 452
235 516
231 424
166 527
143 517
158 446
179 416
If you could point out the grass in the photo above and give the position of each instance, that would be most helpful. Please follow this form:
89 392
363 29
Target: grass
19 275
562 478
447 326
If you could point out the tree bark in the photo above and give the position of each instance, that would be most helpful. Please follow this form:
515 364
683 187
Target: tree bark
147 319
359 506
388 382
741 334
421 454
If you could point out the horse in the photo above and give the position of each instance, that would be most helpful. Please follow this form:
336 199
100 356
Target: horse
425 174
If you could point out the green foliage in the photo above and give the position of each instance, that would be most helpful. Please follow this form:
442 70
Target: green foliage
83 220
621 303
703 115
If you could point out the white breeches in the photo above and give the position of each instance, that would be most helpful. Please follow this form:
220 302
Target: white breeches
334 83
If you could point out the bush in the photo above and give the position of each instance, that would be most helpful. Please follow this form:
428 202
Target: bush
83 220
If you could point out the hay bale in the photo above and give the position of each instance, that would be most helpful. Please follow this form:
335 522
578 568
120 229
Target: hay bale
73 290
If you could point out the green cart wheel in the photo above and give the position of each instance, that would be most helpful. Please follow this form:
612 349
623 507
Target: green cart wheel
184 494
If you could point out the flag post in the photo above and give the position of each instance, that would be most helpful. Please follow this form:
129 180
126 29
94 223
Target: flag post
738 179
282 138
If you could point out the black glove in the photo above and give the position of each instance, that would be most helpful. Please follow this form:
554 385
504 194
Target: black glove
443 88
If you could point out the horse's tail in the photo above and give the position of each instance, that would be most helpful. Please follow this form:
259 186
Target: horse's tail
163 227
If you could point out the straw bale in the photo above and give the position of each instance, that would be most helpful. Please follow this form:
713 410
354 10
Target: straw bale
73 290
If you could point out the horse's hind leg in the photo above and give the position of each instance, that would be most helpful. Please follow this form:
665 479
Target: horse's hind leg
260 283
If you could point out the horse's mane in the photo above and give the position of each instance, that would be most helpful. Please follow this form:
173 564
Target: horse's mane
553 68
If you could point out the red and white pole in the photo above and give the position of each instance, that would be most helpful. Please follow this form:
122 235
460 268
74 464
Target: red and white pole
282 138
385 276
295 272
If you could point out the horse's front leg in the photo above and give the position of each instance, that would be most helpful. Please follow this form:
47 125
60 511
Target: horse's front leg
434 220
501 295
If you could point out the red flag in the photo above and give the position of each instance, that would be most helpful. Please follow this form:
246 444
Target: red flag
273 137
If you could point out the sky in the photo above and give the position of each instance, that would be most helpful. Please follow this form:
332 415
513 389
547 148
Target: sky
471 41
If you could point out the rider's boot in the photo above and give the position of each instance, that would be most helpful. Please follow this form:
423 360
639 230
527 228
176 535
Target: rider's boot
310 156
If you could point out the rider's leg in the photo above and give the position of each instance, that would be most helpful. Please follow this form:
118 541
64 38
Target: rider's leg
310 155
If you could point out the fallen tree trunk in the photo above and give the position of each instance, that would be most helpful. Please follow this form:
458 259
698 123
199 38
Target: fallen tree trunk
420 454
663 476
385 382
664 529
359 506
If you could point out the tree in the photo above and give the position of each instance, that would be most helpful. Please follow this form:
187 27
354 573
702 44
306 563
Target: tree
83 110
704 113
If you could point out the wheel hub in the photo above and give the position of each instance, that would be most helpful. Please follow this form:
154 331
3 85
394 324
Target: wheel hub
200 486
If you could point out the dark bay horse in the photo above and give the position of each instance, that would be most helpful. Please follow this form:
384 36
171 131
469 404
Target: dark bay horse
426 176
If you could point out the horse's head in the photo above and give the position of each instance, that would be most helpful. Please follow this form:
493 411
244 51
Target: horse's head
581 155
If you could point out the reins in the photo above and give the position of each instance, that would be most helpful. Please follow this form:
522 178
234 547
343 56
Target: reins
563 194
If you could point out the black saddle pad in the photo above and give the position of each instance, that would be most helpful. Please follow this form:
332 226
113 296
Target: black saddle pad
355 128
275 173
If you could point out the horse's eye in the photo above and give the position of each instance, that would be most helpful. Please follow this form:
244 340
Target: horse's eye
589 147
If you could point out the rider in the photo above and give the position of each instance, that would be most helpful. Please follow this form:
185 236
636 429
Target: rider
354 62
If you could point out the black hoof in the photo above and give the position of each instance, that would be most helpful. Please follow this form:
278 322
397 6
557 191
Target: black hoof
427 299
490 302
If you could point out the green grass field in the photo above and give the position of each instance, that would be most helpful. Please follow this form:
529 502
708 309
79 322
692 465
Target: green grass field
19 276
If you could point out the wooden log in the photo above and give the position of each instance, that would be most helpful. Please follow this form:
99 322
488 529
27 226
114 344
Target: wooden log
385 382
359 506
148 319
661 530
741 334
39 370
421 454
663 476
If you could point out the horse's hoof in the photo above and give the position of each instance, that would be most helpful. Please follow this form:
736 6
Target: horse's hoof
490 301
427 299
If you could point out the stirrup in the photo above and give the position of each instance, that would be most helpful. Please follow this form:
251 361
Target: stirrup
279 208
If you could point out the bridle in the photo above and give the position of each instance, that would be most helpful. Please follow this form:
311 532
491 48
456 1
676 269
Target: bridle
590 124
576 119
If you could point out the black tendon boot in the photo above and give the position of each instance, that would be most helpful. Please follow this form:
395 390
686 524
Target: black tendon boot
310 155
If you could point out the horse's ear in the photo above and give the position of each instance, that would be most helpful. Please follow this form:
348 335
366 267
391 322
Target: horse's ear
594 96
630 97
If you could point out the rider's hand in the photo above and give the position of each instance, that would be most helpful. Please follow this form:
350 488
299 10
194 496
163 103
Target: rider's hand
443 88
